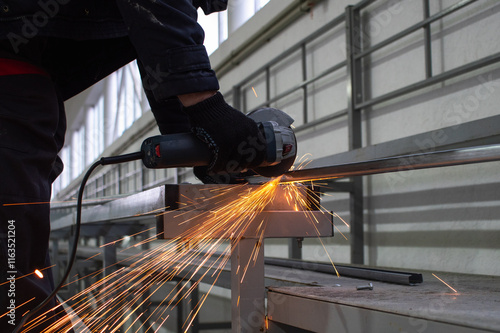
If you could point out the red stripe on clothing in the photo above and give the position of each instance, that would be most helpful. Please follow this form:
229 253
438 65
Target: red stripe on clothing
16 67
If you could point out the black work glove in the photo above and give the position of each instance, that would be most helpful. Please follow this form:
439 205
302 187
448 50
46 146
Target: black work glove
235 140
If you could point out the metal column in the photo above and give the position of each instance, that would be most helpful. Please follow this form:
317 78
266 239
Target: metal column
109 254
354 96
248 308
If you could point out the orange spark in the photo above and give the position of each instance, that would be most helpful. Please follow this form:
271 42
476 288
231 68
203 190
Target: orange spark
446 284
337 215
23 276
95 255
255 93
39 274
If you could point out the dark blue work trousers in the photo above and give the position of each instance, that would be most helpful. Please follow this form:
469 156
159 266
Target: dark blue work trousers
32 125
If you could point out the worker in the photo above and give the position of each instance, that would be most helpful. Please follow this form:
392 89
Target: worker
50 50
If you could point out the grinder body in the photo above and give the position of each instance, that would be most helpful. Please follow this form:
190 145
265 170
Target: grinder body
175 151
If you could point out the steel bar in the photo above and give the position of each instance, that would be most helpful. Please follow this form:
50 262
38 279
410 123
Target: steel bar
427 41
390 276
434 159
354 120
304 78
363 4
268 86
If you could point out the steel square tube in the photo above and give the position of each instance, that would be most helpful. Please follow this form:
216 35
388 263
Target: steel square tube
278 224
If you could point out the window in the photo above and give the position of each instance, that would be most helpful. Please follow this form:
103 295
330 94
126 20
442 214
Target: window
129 98
95 131
216 24
77 152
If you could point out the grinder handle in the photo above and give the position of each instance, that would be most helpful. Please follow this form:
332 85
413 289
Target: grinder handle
175 150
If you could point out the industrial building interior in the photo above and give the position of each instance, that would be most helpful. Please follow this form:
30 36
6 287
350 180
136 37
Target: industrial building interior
395 105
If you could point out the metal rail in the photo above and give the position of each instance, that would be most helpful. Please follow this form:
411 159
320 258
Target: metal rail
390 276
433 159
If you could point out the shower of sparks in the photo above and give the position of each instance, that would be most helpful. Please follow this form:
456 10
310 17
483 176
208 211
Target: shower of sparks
446 284
201 251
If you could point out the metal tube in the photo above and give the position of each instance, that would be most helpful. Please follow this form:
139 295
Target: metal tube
268 86
470 155
389 276
354 120
427 41
304 78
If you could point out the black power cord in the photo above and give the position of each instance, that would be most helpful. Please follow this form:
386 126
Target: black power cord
76 236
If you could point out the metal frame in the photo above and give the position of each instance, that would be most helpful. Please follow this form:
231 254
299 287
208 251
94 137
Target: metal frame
356 99
354 121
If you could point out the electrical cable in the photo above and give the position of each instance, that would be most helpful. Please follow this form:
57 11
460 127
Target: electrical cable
103 161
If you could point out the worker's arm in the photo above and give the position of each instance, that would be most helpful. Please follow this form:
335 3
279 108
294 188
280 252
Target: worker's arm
169 43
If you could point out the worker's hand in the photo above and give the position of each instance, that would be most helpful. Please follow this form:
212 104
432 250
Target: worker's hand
234 139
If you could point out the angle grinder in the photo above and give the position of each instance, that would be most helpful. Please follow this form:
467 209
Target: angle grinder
186 150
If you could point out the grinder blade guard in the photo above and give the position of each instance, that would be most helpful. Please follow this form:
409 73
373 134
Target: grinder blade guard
280 154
